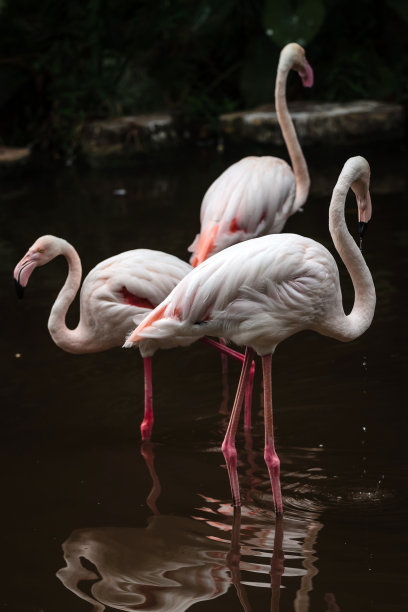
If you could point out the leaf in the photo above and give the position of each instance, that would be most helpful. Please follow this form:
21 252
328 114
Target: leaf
400 7
288 21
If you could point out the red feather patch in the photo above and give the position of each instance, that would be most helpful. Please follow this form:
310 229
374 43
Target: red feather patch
134 300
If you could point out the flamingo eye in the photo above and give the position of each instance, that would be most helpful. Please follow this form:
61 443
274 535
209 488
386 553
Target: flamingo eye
41 250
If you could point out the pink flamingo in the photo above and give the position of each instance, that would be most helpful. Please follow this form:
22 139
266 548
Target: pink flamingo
115 296
259 292
256 195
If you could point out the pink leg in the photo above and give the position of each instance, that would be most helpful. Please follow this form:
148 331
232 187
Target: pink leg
248 398
228 446
147 423
225 350
224 358
270 456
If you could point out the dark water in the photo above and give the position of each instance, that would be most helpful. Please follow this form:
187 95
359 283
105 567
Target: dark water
152 528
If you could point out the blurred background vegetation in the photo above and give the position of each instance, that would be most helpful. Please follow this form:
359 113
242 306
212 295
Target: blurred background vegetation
67 62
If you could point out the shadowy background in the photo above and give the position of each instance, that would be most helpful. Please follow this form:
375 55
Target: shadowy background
63 63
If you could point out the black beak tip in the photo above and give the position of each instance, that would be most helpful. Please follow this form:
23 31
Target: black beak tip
362 226
19 289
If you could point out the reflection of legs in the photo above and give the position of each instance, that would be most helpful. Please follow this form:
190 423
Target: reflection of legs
147 423
302 601
277 567
146 450
270 456
228 446
233 559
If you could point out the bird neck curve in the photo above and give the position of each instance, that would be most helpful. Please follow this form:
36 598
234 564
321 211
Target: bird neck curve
290 137
64 337
356 323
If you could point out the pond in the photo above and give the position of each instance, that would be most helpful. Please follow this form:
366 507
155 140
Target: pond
92 520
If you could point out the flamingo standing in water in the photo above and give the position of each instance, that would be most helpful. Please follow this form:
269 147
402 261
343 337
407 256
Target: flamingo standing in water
256 195
259 292
115 296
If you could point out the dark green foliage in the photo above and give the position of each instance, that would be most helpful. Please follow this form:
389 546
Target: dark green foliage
63 63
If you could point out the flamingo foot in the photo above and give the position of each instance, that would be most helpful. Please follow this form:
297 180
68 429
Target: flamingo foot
146 428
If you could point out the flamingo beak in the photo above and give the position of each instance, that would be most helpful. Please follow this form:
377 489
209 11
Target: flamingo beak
23 271
362 226
19 289
364 213
306 74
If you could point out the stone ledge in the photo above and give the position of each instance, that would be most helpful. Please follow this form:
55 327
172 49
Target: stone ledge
127 135
12 155
320 123
330 124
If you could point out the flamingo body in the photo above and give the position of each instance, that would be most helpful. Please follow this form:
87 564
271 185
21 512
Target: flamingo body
115 295
253 197
120 291
256 293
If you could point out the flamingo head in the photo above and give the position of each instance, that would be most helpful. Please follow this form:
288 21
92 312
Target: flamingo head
41 252
360 187
293 57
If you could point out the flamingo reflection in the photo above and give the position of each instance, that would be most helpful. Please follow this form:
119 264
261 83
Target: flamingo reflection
175 562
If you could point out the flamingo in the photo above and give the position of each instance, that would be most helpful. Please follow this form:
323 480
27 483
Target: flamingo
115 296
256 195
259 292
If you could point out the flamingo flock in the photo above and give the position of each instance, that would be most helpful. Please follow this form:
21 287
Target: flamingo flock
247 283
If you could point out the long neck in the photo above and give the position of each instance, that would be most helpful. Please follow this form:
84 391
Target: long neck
353 325
289 135
64 337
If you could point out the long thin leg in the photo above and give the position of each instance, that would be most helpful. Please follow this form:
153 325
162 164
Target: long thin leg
224 358
270 456
248 398
228 446
147 423
225 350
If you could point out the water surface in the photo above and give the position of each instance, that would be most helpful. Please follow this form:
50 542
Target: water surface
92 520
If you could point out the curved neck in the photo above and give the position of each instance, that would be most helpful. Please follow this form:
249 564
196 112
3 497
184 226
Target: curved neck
66 338
289 136
353 325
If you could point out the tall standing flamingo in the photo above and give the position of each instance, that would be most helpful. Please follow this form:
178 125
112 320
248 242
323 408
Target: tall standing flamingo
115 296
259 292
256 195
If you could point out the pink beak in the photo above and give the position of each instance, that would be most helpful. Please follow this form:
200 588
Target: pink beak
306 74
23 271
